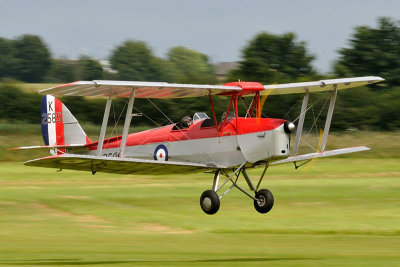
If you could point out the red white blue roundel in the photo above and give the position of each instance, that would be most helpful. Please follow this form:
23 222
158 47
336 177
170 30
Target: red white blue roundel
161 153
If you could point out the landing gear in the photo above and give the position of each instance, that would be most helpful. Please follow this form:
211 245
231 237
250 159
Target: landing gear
263 199
209 202
264 202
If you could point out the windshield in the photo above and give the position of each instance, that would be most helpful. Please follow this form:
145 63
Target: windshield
199 116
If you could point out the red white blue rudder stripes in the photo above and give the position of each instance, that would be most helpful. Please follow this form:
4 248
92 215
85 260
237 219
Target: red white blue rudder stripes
59 126
52 126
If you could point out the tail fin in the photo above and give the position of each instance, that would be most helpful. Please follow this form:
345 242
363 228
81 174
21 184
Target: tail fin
59 126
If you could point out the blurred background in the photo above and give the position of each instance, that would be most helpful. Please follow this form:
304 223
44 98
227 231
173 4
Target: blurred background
335 212
43 43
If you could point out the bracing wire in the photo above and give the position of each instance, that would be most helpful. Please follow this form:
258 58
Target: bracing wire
147 117
307 109
116 121
174 116
315 119
290 109
244 104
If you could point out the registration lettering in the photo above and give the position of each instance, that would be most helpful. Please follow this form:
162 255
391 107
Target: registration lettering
115 154
51 117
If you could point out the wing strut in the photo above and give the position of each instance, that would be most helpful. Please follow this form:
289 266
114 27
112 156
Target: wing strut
301 122
127 124
104 126
329 117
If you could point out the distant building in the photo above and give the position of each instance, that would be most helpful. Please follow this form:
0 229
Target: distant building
223 68
106 65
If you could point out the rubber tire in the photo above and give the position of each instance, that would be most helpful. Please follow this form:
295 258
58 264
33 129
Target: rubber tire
267 204
209 195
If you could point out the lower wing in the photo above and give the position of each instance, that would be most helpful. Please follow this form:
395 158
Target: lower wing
143 166
322 154
117 165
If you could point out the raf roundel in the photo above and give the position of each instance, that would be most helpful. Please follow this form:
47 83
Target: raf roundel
161 153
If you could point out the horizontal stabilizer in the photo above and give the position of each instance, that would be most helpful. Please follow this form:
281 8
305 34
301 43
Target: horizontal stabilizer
50 147
117 165
322 154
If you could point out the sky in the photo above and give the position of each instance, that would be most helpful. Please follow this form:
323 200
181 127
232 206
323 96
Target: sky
218 28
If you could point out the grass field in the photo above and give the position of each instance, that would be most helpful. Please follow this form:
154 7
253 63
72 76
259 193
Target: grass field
335 212
332 212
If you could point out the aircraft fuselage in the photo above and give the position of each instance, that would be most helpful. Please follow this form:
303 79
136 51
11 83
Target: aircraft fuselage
230 144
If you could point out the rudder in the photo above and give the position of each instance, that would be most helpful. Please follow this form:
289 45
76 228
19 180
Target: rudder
59 126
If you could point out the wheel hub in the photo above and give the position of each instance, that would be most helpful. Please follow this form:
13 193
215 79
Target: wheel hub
207 203
261 201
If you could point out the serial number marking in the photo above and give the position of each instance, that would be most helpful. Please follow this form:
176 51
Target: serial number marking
51 117
115 154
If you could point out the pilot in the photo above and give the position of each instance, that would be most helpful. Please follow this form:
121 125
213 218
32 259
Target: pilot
186 121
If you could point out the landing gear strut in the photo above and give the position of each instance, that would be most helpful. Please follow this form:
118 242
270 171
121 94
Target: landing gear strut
263 199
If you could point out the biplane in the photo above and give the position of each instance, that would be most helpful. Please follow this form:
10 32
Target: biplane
202 143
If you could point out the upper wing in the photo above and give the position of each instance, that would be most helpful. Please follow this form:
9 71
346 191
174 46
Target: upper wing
117 165
142 89
171 90
323 85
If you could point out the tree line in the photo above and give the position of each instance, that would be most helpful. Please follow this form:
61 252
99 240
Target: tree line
28 59
267 58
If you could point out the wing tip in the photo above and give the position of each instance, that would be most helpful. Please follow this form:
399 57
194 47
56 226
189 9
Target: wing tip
374 79
322 154
64 85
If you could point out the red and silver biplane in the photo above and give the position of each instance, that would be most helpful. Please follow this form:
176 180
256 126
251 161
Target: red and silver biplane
202 143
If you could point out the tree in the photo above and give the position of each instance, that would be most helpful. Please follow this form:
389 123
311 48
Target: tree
273 58
373 51
134 60
62 70
17 105
7 58
163 70
32 58
69 70
191 66
89 69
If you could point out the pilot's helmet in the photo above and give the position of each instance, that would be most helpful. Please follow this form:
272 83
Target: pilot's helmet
187 121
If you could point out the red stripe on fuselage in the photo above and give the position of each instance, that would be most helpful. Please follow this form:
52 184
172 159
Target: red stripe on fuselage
166 134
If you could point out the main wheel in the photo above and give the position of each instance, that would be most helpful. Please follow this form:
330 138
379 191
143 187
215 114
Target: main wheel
209 202
265 201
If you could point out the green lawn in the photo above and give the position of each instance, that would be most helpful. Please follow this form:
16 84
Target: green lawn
333 212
